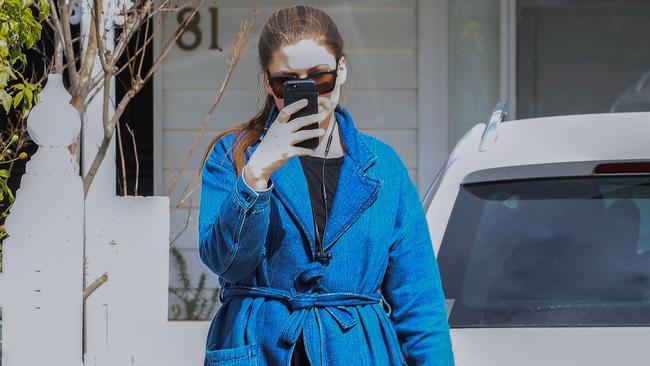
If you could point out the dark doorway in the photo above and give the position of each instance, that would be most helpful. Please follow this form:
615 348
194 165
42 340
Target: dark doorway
139 117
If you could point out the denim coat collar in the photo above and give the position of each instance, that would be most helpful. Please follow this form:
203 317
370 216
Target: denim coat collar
355 190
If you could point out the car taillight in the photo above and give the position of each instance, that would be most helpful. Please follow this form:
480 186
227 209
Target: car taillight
623 168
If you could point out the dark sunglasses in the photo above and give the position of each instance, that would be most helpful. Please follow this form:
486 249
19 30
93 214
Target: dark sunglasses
325 81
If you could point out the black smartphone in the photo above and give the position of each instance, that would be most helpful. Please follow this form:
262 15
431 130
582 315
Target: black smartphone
294 90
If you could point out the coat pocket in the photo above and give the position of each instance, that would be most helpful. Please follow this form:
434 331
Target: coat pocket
239 356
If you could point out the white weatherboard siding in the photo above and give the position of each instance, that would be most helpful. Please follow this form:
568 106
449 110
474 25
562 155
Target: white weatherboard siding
382 45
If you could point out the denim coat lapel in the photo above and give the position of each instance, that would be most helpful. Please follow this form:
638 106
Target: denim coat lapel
355 190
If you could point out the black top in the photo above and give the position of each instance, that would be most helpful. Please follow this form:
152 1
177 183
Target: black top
313 168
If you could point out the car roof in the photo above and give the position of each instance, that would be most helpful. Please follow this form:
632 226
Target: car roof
553 146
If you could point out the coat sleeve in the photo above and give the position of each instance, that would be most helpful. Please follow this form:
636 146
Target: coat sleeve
412 284
233 218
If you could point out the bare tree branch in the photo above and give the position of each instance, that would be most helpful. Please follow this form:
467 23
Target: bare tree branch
125 190
187 224
133 23
137 159
103 51
86 69
95 285
55 24
109 127
238 49
141 49
64 19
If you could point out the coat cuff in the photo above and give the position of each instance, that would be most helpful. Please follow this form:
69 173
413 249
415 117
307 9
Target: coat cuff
248 198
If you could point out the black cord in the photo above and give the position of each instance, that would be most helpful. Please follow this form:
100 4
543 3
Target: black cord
320 255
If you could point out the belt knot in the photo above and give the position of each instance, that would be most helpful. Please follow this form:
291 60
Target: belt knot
302 301
312 294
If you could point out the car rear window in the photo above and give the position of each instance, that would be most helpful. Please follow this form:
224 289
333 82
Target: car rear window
549 252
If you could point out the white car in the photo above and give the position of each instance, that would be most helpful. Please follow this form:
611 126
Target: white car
542 232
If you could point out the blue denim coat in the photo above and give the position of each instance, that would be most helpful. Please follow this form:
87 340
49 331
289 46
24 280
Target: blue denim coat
261 245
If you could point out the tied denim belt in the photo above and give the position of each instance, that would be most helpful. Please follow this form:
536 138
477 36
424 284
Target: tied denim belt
335 303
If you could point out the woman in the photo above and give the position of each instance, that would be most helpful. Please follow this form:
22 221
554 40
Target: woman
299 286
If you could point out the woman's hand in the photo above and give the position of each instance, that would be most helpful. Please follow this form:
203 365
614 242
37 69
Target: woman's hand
277 145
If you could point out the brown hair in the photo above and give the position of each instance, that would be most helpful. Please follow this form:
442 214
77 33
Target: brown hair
284 27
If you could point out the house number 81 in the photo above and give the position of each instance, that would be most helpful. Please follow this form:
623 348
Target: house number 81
195 30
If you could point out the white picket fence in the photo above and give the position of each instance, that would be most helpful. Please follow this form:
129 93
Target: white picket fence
41 286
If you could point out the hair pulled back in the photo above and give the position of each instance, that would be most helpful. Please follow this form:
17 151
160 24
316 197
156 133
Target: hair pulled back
284 27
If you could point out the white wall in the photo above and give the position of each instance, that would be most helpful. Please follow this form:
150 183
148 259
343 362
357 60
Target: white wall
382 46
474 60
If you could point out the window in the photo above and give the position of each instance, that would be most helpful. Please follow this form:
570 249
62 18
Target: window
549 252
576 56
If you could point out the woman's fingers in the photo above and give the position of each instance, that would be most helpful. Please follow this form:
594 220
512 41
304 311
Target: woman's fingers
278 144
306 134
290 109
300 122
